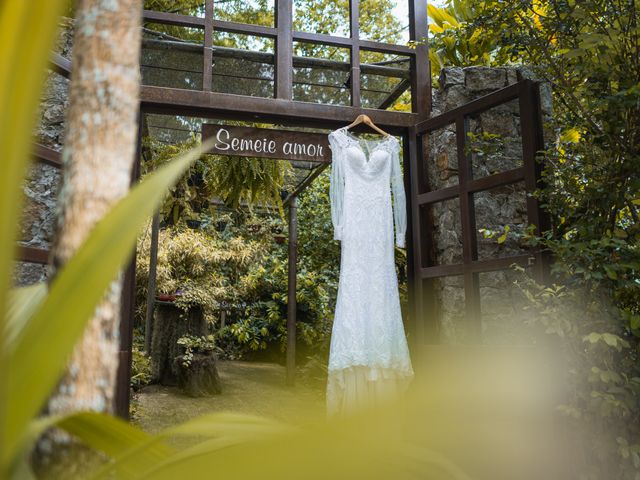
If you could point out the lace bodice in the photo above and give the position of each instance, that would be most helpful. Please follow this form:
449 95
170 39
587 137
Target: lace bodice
365 164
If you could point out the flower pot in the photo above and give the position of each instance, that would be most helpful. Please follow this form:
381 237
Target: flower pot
166 298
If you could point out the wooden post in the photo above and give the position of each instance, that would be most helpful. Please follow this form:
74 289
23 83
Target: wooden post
354 26
127 308
151 288
291 301
421 76
284 50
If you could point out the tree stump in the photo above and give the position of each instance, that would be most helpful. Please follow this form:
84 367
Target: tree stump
200 378
169 324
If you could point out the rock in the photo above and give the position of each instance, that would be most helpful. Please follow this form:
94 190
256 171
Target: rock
481 79
451 76
43 181
29 273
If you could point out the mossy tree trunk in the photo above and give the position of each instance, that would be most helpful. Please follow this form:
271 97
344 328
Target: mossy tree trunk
169 324
98 155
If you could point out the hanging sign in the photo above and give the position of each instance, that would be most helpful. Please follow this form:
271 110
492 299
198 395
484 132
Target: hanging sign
267 143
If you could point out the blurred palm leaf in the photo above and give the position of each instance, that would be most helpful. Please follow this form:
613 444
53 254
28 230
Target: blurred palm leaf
26 32
52 331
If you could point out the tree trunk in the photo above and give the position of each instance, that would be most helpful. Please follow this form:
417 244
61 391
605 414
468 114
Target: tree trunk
98 155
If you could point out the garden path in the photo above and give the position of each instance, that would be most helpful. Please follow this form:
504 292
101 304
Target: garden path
247 387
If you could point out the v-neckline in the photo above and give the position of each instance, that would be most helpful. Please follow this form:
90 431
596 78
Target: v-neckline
367 159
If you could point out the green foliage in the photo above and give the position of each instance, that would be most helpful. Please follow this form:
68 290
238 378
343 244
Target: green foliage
24 46
202 267
243 271
140 368
183 7
600 347
257 12
266 318
454 43
588 53
583 50
256 181
245 181
332 17
316 245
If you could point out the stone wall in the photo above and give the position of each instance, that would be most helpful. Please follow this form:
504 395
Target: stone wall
42 183
495 146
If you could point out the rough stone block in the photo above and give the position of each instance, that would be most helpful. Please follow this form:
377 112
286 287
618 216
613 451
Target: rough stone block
484 78
451 76
29 273
456 96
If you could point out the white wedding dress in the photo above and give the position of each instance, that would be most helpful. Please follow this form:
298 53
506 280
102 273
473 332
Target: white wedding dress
369 361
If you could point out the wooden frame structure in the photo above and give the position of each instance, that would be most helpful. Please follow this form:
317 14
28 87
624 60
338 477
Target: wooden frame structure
425 266
282 109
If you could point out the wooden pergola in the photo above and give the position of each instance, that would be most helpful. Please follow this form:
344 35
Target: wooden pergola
413 127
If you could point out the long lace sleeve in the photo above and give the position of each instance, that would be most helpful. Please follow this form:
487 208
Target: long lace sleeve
336 186
399 200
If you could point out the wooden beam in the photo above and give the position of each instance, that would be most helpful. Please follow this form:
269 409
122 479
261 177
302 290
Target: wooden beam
47 155
395 93
474 107
244 29
476 185
479 266
269 58
176 19
33 255
60 65
127 308
532 143
303 114
469 240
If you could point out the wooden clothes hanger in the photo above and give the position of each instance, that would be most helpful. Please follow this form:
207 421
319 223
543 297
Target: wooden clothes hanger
367 121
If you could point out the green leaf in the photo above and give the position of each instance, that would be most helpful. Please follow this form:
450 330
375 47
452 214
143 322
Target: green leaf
357 449
23 302
115 438
592 338
25 40
440 15
51 333
571 135
615 341
611 273
227 428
